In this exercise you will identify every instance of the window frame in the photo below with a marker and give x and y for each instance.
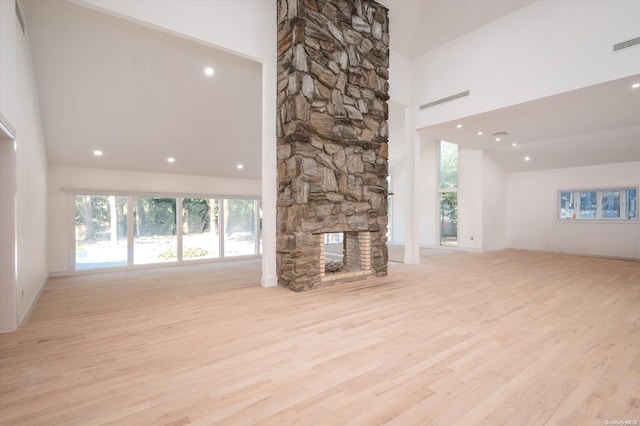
(440, 191)
(599, 216)
(131, 265)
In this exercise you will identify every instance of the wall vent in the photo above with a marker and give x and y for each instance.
(626, 44)
(19, 15)
(444, 100)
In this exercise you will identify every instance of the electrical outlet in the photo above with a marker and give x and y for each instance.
(471, 238)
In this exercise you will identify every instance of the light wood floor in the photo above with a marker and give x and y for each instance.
(514, 338)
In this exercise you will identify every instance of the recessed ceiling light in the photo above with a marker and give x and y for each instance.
(209, 71)
(527, 158)
(514, 144)
(635, 85)
(171, 160)
(97, 153)
(239, 167)
(497, 139)
(479, 133)
(459, 126)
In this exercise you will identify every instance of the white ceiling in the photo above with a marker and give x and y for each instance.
(595, 125)
(140, 95)
(416, 26)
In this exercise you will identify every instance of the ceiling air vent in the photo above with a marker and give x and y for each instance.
(500, 134)
(444, 100)
(626, 44)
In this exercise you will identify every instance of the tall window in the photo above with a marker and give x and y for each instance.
(155, 238)
(101, 231)
(239, 227)
(448, 192)
(200, 228)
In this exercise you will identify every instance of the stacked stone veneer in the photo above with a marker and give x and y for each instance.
(333, 58)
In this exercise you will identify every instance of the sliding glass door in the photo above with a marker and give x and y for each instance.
(112, 230)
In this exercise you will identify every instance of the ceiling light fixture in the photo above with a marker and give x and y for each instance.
(497, 139)
(239, 167)
(459, 126)
(527, 158)
(97, 153)
(635, 85)
(514, 144)
(208, 71)
(479, 133)
(171, 160)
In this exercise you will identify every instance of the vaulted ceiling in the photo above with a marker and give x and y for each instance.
(141, 96)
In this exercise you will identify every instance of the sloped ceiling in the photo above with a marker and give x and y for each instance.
(417, 26)
(141, 96)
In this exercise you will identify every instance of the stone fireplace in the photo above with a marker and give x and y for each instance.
(332, 139)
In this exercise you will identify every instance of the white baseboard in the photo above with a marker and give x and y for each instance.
(34, 302)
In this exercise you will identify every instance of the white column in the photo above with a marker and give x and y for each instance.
(269, 171)
(412, 169)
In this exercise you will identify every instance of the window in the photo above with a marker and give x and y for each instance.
(448, 193)
(155, 238)
(603, 204)
(200, 230)
(100, 231)
(239, 227)
(632, 204)
(117, 231)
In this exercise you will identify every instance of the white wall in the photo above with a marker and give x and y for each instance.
(8, 87)
(236, 26)
(546, 48)
(532, 212)
(494, 205)
(63, 181)
(482, 203)
(428, 215)
(31, 192)
(398, 207)
(400, 78)
(19, 104)
(470, 199)
(427, 207)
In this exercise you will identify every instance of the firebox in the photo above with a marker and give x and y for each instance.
(349, 258)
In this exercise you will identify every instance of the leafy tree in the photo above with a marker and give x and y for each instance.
(448, 165)
(239, 215)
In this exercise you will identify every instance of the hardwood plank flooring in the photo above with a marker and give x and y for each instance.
(511, 337)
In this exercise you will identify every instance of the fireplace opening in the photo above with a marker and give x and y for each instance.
(345, 255)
